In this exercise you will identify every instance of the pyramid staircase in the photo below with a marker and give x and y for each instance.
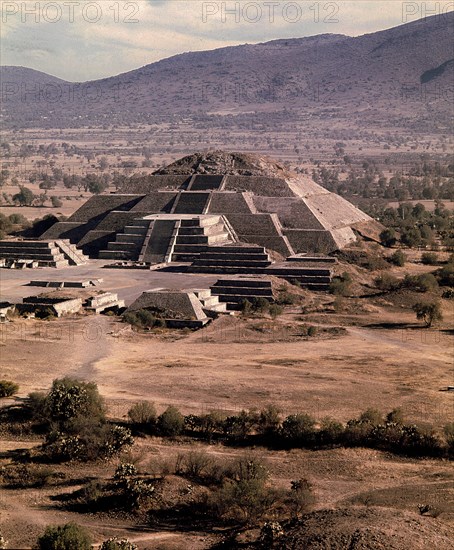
(232, 259)
(60, 253)
(168, 238)
(233, 292)
(129, 244)
(210, 302)
(197, 235)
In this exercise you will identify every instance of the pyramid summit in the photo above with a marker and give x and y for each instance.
(215, 199)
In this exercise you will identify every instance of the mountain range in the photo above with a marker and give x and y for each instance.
(401, 75)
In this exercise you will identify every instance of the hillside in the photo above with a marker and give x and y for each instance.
(400, 74)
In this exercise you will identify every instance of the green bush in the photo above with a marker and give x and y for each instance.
(340, 285)
(298, 428)
(69, 399)
(388, 237)
(66, 537)
(171, 422)
(312, 330)
(398, 258)
(275, 310)
(143, 414)
(269, 420)
(429, 312)
(8, 388)
(425, 282)
(387, 282)
(143, 319)
(445, 275)
(429, 258)
(115, 543)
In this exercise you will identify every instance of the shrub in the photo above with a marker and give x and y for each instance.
(422, 283)
(143, 319)
(298, 428)
(340, 285)
(387, 282)
(448, 294)
(65, 537)
(429, 312)
(56, 202)
(196, 463)
(115, 543)
(300, 497)
(286, 298)
(8, 388)
(275, 310)
(171, 422)
(429, 258)
(269, 420)
(330, 431)
(241, 425)
(388, 237)
(312, 330)
(411, 237)
(143, 414)
(246, 308)
(445, 275)
(69, 399)
(398, 258)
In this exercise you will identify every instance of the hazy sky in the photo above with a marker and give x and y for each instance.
(81, 40)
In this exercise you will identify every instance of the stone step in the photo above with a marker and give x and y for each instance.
(133, 247)
(203, 239)
(130, 238)
(202, 293)
(296, 272)
(232, 263)
(215, 255)
(241, 291)
(218, 308)
(185, 258)
(203, 230)
(189, 248)
(116, 255)
(243, 282)
(135, 230)
(225, 270)
(26, 244)
(237, 299)
(232, 249)
(201, 222)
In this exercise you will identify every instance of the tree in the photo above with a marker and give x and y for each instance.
(171, 422)
(8, 388)
(70, 398)
(298, 428)
(388, 237)
(398, 258)
(143, 414)
(56, 202)
(64, 537)
(25, 196)
(411, 237)
(429, 312)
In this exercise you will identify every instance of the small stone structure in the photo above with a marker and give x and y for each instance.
(106, 301)
(44, 306)
(179, 309)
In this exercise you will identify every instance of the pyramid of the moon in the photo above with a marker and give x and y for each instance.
(214, 199)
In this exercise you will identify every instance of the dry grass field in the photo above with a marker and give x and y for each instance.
(368, 355)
